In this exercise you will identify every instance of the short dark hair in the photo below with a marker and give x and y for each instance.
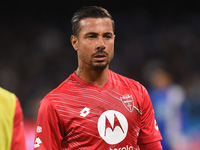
(89, 12)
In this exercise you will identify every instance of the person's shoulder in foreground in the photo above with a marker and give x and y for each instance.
(11, 126)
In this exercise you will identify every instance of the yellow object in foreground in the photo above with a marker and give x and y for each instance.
(7, 111)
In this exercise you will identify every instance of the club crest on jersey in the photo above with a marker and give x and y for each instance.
(128, 102)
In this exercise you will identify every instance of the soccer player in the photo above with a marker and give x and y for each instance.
(11, 122)
(96, 108)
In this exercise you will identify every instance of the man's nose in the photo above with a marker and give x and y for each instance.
(100, 44)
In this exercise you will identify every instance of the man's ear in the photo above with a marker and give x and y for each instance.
(74, 41)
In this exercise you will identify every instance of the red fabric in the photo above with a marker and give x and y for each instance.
(78, 114)
(49, 132)
(18, 138)
(149, 129)
(151, 146)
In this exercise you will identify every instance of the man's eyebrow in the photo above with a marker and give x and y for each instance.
(93, 33)
(96, 34)
(108, 33)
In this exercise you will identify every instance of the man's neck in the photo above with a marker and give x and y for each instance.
(97, 77)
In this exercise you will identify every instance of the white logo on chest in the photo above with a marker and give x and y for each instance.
(112, 126)
(85, 111)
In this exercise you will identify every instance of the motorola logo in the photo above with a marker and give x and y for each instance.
(112, 127)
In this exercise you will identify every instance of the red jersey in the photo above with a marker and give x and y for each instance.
(81, 115)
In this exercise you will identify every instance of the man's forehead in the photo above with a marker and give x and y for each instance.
(93, 23)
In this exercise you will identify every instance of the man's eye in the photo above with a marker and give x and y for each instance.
(108, 37)
(91, 37)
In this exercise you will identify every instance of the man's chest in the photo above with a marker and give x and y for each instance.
(107, 117)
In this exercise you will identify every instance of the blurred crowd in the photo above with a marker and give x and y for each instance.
(161, 51)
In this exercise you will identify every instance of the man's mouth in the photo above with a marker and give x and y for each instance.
(100, 57)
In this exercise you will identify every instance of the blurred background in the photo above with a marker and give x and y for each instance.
(157, 44)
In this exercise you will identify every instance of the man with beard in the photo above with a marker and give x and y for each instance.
(95, 108)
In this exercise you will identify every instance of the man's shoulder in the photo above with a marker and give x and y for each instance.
(123, 80)
(60, 90)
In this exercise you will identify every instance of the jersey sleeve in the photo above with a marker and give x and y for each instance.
(151, 146)
(49, 131)
(149, 131)
(18, 137)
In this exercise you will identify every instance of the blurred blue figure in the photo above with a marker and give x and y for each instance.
(167, 99)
